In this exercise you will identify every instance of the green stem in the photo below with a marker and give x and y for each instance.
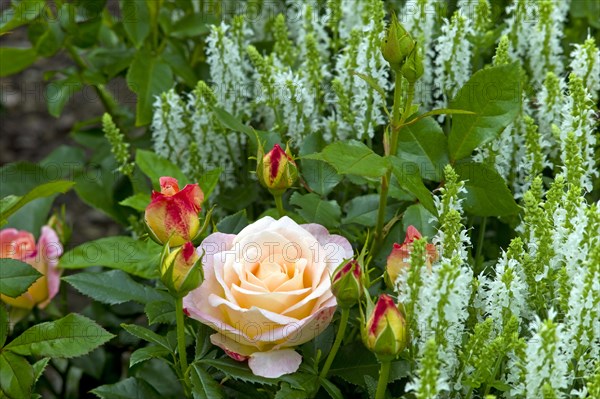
(336, 344)
(384, 373)
(391, 149)
(181, 341)
(480, 239)
(279, 204)
(106, 98)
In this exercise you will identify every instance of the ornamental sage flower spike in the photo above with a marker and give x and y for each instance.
(276, 170)
(172, 216)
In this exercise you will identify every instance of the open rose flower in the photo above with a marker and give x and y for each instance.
(172, 215)
(20, 245)
(399, 258)
(268, 289)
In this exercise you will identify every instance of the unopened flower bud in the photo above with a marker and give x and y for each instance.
(172, 216)
(399, 258)
(346, 284)
(412, 69)
(179, 269)
(276, 169)
(385, 333)
(397, 44)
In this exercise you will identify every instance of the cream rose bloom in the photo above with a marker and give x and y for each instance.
(268, 289)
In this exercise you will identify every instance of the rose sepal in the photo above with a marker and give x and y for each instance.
(205, 225)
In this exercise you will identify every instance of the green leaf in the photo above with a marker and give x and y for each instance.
(20, 13)
(60, 91)
(148, 77)
(120, 252)
(146, 353)
(160, 312)
(331, 389)
(43, 190)
(16, 376)
(39, 367)
(320, 176)
(154, 166)
(138, 201)
(3, 323)
(16, 277)
(487, 193)
(238, 371)
(112, 287)
(136, 20)
(409, 178)
(193, 25)
(233, 224)
(129, 388)
(495, 95)
(315, 210)
(73, 335)
(147, 335)
(14, 60)
(286, 391)
(209, 181)
(371, 82)
(174, 55)
(354, 361)
(203, 385)
(416, 215)
(425, 144)
(363, 210)
(352, 158)
(268, 139)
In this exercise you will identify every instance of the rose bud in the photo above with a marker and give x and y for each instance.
(180, 270)
(399, 258)
(172, 216)
(276, 170)
(346, 284)
(412, 69)
(397, 44)
(385, 332)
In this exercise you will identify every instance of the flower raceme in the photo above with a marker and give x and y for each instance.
(346, 283)
(276, 169)
(172, 216)
(268, 289)
(385, 332)
(43, 256)
(399, 258)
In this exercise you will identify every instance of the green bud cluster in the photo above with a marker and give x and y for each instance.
(401, 51)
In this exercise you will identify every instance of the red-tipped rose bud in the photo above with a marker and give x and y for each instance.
(399, 258)
(385, 333)
(179, 269)
(346, 284)
(276, 169)
(172, 216)
(397, 44)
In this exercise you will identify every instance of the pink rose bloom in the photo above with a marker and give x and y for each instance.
(20, 245)
(267, 290)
